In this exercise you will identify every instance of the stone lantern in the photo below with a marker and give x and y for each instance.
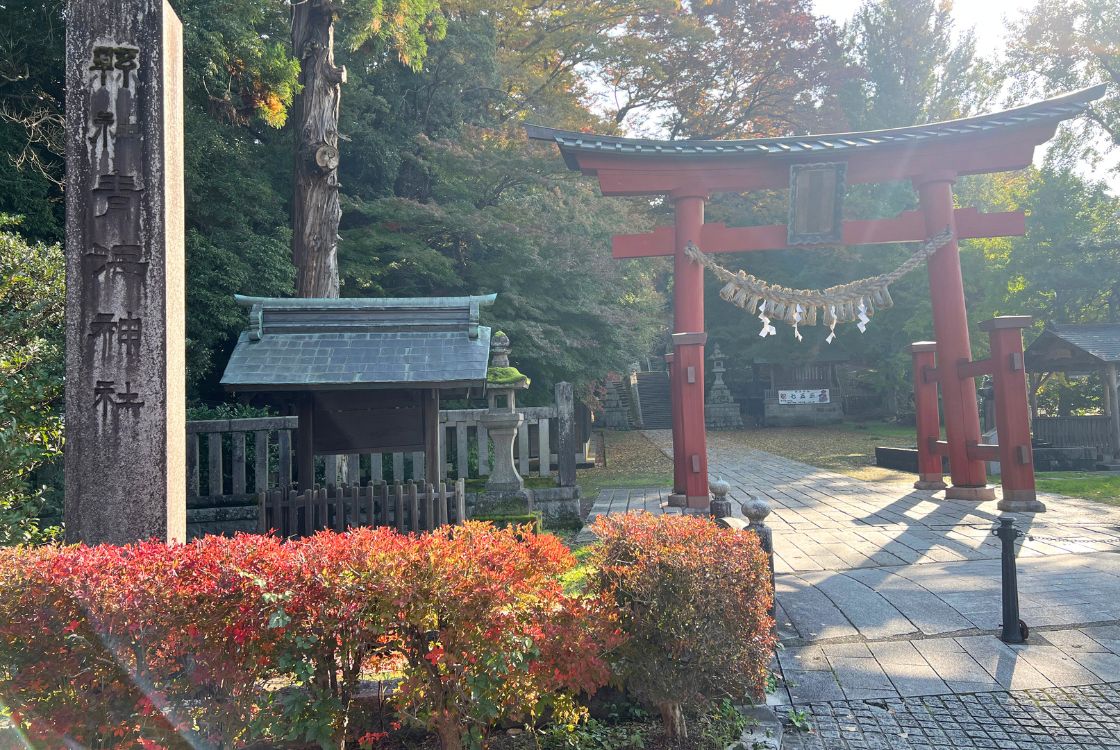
(721, 410)
(502, 419)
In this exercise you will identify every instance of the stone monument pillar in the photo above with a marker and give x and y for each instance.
(720, 410)
(125, 369)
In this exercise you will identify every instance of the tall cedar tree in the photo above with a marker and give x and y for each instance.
(404, 25)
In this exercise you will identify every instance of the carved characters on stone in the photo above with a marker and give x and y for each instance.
(115, 265)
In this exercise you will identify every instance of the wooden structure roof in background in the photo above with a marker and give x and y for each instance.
(334, 344)
(1074, 348)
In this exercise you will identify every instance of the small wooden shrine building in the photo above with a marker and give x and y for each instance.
(1078, 350)
(363, 375)
(789, 394)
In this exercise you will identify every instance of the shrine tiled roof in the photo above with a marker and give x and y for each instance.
(304, 344)
(1063, 347)
(572, 143)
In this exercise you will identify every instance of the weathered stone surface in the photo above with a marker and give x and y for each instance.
(720, 408)
(125, 372)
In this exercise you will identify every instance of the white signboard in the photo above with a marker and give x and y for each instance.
(814, 396)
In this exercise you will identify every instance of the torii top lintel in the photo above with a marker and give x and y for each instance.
(995, 142)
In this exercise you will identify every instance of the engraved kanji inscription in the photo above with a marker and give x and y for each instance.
(102, 62)
(106, 59)
(126, 62)
(102, 125)
(102, 328)
(107, 397)
(103, 396)
(128, 334)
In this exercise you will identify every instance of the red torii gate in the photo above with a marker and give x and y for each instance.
(931, 157)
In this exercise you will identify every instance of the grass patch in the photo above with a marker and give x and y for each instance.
(846, 448)
(632, 461)
(1102, 486)
(575, 580)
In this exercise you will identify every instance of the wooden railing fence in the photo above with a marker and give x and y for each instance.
(268, 454)
(1075, 432)
(405, 507)
(230, 461)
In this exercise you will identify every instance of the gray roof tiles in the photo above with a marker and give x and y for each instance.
(412, 342)
(1099, 340)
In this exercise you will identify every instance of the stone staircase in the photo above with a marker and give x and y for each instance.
(655, 401)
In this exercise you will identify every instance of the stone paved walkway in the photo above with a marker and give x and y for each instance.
(1071, 719)
(891, 596)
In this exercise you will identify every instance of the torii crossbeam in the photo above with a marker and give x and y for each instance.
(930, 156)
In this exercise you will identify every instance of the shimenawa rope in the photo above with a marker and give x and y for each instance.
(856, 300)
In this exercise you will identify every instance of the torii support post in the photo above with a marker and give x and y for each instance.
(1114, 408)
(926, 416)
(1013, 427)
(690, 456)
(950, 323)
(676, 499)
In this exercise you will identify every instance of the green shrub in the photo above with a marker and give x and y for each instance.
(32, 306)
(694, 600)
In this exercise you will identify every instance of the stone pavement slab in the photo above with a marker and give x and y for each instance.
(939, 598)
(1081, 718)
(828, 521)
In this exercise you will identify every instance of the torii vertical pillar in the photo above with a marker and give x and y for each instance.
(950, 322)
(926, 416)
(1013, 424)
(690, 450)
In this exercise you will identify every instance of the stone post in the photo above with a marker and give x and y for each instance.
(756, 509)
(1111, 383)
(125, 371)
(566, 435)
(721, 506)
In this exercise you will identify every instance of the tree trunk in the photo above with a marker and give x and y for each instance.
(315, 208)
(672, 717)
(449, 733)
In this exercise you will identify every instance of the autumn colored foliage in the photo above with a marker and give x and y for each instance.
(222, 640)
(694, 600)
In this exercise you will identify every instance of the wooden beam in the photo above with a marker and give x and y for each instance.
(983, 451)
(433, 448)
(975, 368)
(908, 226)
(994, 151)
(305, 444)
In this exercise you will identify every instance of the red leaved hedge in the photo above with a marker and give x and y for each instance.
(213, 643)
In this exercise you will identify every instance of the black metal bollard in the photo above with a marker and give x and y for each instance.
(1014, 629)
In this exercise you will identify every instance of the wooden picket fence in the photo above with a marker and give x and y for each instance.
(1092, 431)
(405, 507)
